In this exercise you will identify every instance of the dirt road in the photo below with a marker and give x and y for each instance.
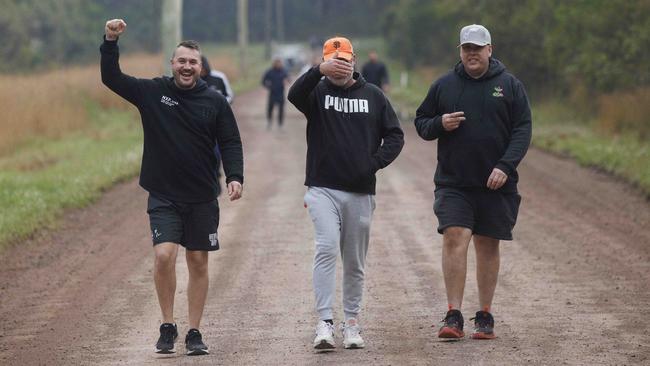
(574, 286)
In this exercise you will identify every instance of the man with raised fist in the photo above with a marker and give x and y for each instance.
(182, 120)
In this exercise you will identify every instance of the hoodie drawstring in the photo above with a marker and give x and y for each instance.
(462, 90)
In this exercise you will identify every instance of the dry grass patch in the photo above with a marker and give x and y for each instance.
(53, 103)
(625, 112)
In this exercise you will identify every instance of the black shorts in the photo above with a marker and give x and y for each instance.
(192, 225)
(485, 212)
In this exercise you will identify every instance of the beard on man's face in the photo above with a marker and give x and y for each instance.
(340, 81)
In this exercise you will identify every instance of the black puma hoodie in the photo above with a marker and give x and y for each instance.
(345, 131)
(495, 134)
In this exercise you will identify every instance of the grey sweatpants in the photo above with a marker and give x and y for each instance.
(341, 224)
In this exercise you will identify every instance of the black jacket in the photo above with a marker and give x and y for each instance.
(375, 73)
(181, 128)
(495, 134)
(273, 80)
(345, 130)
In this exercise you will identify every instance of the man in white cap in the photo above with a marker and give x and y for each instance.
(480, 115)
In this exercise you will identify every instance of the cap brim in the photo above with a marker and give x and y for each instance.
(344, 55)
(476, 43)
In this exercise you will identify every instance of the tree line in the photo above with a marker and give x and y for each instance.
(552, 45)
(47, 33)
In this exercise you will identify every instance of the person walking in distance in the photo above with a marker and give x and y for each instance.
(182, 120)
(274, 80)
(375, 72)
(352, 132)
(480, 115)
(216, 80)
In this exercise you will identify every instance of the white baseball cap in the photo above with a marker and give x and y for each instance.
(476, 34)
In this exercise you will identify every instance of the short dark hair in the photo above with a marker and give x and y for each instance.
(188, 44)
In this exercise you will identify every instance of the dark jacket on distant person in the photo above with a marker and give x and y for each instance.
(375, 73)
(345, 131)
(273, 80)
(181, 128)
(495, 134)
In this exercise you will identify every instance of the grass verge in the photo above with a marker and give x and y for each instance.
(623, 155)
(44, 177)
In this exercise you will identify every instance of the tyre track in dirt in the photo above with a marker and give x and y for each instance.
(573, 287)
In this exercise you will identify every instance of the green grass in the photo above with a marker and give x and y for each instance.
(625, 156)
(44, 177)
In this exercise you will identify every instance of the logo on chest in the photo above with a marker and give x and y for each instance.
(346, 105)
(498, 92)
(169, 101)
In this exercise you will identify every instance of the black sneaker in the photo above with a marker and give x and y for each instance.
(168, 334)
(453, 325)
(194, 343)
(483, 326)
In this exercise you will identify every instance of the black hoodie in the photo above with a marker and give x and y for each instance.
(495, 134)
(180, 131)
(345, 129)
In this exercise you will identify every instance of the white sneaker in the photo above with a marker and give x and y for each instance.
(351, 334)
(324, 336)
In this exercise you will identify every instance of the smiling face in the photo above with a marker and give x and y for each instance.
(186, 67)
(475, 59)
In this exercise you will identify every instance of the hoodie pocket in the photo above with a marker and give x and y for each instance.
(354, 167)
(471, 162)
(364, 167)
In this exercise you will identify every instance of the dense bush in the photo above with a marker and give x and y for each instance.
(47, 33)
(550, 44)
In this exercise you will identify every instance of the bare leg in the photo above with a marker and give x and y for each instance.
(197, 286)
(164, 276)
(455, 242)
(487, 269)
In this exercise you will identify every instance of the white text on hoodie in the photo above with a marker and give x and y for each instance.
(346, 105)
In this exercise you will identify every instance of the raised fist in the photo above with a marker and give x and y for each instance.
(114, 28)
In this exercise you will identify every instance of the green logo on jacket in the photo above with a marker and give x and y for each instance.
(498, 92)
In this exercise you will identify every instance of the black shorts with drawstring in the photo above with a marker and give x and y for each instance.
(192, 225)
(485, 212)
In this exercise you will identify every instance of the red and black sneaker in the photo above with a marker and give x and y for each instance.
(483, 326)
(453, 325)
